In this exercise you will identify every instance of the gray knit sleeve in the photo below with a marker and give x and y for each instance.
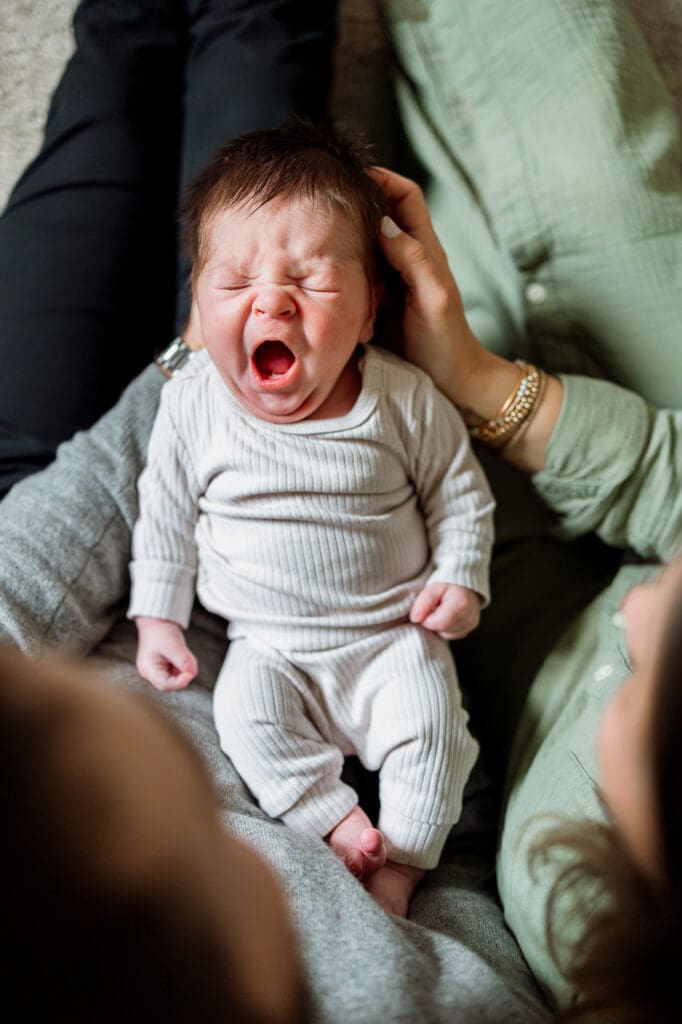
(66, 530)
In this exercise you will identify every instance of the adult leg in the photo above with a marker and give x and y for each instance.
(87, 240)
(250, 65)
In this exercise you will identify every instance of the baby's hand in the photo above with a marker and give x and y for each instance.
(447, 609)
(163, 657)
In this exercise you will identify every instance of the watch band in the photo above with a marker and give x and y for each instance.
(174, 357)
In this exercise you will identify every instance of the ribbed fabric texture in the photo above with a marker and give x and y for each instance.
(313, 539)
(312, 534)
(391, 698)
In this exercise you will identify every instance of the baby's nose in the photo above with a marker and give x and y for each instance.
(274, 302)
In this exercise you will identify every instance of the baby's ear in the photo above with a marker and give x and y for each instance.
(389, 310)
(367, 331)
(191, 334)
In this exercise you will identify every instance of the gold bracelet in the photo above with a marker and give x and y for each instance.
(516, 437)
(516, 409)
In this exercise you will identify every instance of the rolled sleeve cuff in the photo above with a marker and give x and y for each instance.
(597, 440)
(462, 572)
(162, 592)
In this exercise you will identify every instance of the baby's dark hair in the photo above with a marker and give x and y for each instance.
(298, 159)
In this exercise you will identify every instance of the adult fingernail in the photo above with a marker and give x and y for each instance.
(389, 228)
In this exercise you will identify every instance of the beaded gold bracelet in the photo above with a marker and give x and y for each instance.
(518, 434)
(518, 406)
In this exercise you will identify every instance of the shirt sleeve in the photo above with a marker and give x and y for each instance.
(454, 494)
(66, 531)
(163, 569)
(614, 466)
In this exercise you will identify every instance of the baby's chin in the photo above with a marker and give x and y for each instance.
(279, 408)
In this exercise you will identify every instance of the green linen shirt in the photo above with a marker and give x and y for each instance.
(549, 154)
(613, 466)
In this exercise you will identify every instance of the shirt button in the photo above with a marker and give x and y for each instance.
(602, 673)
(618, 620)
(536, 293)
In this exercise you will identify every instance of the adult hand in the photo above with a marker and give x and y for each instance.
(436, 335)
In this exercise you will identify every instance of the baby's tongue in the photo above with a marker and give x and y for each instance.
(273, 358)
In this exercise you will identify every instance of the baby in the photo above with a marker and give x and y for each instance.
(321, 495)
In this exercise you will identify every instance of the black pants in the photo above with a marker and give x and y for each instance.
(92, 278)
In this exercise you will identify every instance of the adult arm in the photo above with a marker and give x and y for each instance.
(600, 457)
(66, 530)
(613, 464)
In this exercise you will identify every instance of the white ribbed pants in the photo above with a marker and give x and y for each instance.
(392, 698)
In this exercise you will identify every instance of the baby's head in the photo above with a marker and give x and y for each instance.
(297, 161)
(282, 230)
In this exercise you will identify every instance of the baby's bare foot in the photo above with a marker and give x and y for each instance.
(393, 885)
(368, 856)
(358, 844)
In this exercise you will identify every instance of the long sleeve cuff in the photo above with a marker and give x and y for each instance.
(465, 569)
(462, 576)
(162, 592)
(596, 444)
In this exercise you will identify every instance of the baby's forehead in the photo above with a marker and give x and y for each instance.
(314, 227)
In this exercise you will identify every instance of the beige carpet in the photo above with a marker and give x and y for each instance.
(35, 40)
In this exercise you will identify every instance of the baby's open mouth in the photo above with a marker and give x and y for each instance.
(273, 359)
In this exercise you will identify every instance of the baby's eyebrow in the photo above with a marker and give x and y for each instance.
(232, 266)
(317, 268)
(293, 265)
(321, 263)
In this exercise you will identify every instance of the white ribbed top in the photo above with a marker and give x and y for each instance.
(310, 534)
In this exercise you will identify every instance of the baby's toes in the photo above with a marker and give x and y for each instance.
(374, 849)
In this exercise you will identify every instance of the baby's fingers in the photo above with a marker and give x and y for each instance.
(168, 670)
(459, 615)
(448, 610)
(426, 602)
